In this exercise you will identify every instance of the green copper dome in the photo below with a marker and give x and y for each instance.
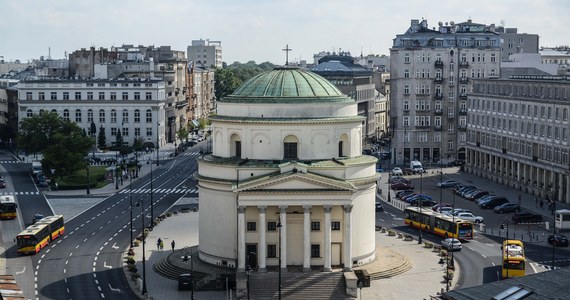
(286, 85)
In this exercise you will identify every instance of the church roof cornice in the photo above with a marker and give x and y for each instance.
(243, 120)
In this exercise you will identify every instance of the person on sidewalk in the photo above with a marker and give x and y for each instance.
(158, 242)
(173, 244)
(541, 203)
(161, 245)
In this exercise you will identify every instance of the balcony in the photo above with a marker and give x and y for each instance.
(437, 128)
(438, 80)
(463, 111)
(451, 83)
(438, 111)
(439, 64)
(463, 64)
(462, 127)
(450, 115)
(463, 80)
(462, 96)
(438, 96)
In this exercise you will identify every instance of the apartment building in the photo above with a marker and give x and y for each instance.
(431, 72)
(513, 42)
(136, 107)
(206, 53)
(518, 133)
(200, 92)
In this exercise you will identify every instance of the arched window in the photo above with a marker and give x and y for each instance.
(78, 115)
(66, 114)
(148, 116)
(29, 113)
(290, 147)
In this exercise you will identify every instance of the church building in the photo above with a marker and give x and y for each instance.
(286, 184)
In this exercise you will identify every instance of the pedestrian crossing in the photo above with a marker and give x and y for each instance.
(171, 153)
(160, 191)
(12, 162)
(18, 193)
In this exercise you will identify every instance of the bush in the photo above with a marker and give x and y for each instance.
(132, 268)
(428, 245)
(130, 260)
(391, 233)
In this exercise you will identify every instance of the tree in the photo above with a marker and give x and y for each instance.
(102, 138)
(138, 144)
(67, 149)
(118, 140)
(225, 82)
(183, 133)
(37, 132)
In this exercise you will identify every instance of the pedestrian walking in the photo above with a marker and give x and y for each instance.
(158, 242)
(173, 244)
(161, 245)
(541, 203)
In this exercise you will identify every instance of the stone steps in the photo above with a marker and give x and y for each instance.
(404, 267)
(303, 285)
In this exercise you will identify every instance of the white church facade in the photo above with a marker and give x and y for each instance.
(286, 181)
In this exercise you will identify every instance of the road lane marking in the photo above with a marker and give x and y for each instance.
(21, 272)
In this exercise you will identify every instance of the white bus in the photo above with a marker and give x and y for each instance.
(36, 167)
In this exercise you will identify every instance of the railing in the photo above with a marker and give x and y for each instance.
(439, 64)
(463, 64)
(463, 79)
(438, 96)
(438, 80)
(438, 111)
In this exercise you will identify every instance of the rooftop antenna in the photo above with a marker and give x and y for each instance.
(287, 49)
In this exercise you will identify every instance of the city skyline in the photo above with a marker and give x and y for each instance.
(254, 29)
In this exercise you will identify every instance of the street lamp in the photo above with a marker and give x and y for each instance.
(279, 267)
(420, 201)
(505, 225)
(157, 144)
(116, 169)
(131, 207)
(186, 259)
(144, 290)
(151, 200)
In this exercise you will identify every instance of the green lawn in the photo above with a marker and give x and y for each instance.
(78, 180)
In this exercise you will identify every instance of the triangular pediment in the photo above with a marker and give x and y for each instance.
(295, 181)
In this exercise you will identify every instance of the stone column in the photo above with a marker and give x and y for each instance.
(567, 201)
(307, 238)
(241, 238)
(561, 188)
(327, 238)
(347, 238)
(283, 241)
(262, 247)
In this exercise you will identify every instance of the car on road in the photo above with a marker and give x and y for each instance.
(408, 171)
(526, 217)
(470, 217)
(401, 186)
(379, 206)
(403, 193)
(476, 195)
(447, 183)
(506, 208)
(558, 240)
(397, 171)
(36, 218)
(451, 244)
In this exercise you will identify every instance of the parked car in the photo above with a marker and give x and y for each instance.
(408, 196)
(421, 201)
(458, 188)
(400, 194)
(401, 186)
(444, 210)
(506, 208)
(447, 183)
(397, 171)
(408, 171)
(485, 198)
(476, 195)
(398, 178)
(455, 211)
(526, 217)
(470, 217)
(558, 240)
(456, 163)
(470, 193)
(451, 244)
(493, 202)
(440, 205)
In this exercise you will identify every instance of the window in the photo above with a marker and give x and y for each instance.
(101, 116)
(113, 116)
(271, 251)
(125, 131)
(251, 226)
(90, 115)
(406, 89)
(137, 96)
(149, 131)
(493, 57)
(78, 115)
(28, 95)
(77, 95)
(315, 225)
(407, 58)
(113, 131)
(271, 226)
(125, 96)
(290, 147)
(137, 116)
(101, 95)
(422, 137)
(406, 105)
(113, 96)
(148, 116)
(406, 73)
(148, 96)
(89, 95)
(125, 116)
(65, 95)
(42, 96)
(29, 113)
(335, 225)
(315, 251)
(137, 132)
(53, 96)
(66, 114)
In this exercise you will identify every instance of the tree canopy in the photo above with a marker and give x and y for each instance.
(63, 143)
(229, 78)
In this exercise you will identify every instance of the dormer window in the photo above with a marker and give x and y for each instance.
(290, 147)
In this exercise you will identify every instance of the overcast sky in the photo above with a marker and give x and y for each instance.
(255, 29)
